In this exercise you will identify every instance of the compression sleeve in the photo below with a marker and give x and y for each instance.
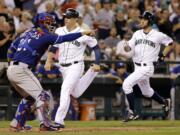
(97, 54)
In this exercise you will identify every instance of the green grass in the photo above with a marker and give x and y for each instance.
(105, 128)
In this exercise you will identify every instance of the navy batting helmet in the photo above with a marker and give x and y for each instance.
(148, 16)
(71, 13)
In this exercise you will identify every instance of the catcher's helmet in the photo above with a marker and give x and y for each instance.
(44, 20)
(148, 16)
(71, 13)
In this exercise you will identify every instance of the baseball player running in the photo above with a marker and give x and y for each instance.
(145, 44)
(72, 66)
(27, 51)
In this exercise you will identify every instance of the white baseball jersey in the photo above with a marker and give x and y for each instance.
(73, 51)
(147, 46)
(146, 49)
(73, 82)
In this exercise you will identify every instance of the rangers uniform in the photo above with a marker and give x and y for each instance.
(25, 53)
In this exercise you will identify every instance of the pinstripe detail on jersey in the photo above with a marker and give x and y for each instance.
(144, 41)
(67, 51)
(68, 46)
(64, 44)
(74, 50)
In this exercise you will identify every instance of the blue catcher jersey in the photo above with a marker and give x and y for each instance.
(32, 44)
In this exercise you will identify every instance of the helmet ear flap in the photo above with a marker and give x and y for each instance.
(151, 20)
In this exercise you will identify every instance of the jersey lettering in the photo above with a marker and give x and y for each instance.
(145, 41)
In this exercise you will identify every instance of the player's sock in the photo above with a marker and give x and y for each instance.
(130, 98)
(158, 98)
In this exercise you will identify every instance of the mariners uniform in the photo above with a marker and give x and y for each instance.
(26, 53)
(146, 47)
(72, 67)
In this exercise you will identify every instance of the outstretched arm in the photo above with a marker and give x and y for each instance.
(56, 39)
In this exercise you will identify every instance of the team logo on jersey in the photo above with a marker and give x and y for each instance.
(145, 41)
(76, 43)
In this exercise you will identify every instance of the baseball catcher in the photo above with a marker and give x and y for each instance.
(25, 53)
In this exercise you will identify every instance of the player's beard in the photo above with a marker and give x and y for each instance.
(146, 26)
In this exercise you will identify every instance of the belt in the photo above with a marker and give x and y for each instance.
(144, 64)
(69, 64)
(20, 63)
(140, 64)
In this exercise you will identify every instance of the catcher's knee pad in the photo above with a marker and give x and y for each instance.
(45, 98)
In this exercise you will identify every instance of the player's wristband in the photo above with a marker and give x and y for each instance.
(161, 55)
(53, 49)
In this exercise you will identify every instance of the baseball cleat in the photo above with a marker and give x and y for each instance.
(45, 128)
(167, 106)
(131, 117)
(19, 128)
(58, 126)
(16, 127)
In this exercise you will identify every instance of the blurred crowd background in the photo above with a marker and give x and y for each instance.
(115, 21)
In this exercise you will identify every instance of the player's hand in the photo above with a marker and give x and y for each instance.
(161, 58)
(109, 75)
(127, 48)
(95, 67)
(119, 81)
(48, 66)
(89, 32)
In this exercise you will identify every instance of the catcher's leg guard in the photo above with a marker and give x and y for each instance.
(43, 106)
(23, 110)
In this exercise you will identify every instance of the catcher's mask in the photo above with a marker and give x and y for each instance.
(45, 21)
